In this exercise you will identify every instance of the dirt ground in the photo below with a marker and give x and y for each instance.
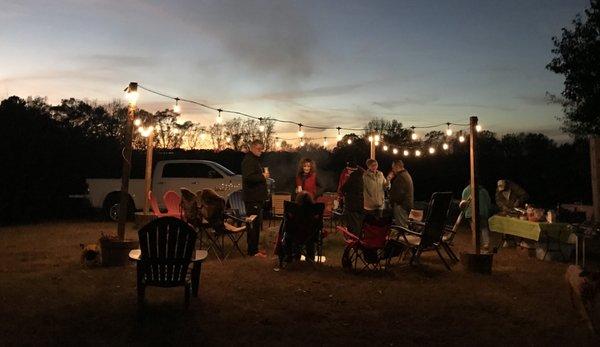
(49, 298)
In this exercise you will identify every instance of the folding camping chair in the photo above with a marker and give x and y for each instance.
(224, 225)
(428, 236)
(277, 205)
(236, 204)
(300, 233)
(371, 252)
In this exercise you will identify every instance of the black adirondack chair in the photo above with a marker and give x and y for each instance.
(167, 248)
(427, 235)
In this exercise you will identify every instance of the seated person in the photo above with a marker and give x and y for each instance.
(509, 195)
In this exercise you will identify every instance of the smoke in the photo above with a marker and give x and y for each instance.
(272, 38)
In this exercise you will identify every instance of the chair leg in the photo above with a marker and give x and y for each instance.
(141, 288)
(196, 270)
(449, 251)
(437, 250)
(188, 289)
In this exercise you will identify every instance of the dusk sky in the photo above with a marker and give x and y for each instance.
(328, 63)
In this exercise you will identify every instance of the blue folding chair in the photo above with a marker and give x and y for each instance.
(236, 204)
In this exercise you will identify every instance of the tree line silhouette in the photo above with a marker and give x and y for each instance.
(50, 150)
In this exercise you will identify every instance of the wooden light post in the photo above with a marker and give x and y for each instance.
(372, 146)
(148, 177)
(132, 95)
(475, 222)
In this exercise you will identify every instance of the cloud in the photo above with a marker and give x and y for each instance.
(534, 99)
(117, 60)
(311, 93)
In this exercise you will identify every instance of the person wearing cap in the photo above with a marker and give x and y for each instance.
(352, 190)
(374, 184)
(510, 195)
(401, 192)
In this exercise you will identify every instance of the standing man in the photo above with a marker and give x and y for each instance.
(254, 193)
(510, 195)
(374, 185)
(352, 188)
(401, 192)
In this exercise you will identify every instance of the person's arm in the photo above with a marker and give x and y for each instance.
(251, 172)
(319, 187)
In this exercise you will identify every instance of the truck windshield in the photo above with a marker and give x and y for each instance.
(225, 170)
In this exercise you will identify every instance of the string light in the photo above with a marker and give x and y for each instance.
(376, 143)
(325, 143)
(406, 153)
(417, 153)
(395, 150)
(339, 135)
(277, 142)
(177, 107)
(370, 138)
(414, 135)
(302, 143)
(146, 131)
(300, 132)
(478, 128)
(137, 122)
(461, 138)
(385, 148)
(431, 150)
(219, 119)
(131, 93)
(202, 135)
(445, 146)
(377, 138)
(349, 141)
(261, 126)
(448, 130)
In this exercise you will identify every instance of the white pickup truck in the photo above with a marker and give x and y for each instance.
(168, 175)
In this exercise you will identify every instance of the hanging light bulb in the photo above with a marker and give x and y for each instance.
(325, 143)
(417, 153)
(137, 122)
(385, 148)
(370, 138)
(414, 135)
(349, 141)
(445, 146)
(131, 94)
(406, 153)
(448, 131)
(339, 135)
(219, 119)
(302, 143)
(202, 135)
(478, 128)
(395, 150)
(431, 150)
(176, 107)
(277, 142)
(300, 132)
(461, 138)
(377, 138)
(261, 126)
(376, 143)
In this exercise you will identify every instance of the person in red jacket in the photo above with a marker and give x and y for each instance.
(306, 178)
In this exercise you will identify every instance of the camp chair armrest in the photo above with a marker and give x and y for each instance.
(405, 230)
(135, 254)
(234, 217)
(199, 255)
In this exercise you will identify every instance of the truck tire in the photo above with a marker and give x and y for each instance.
(111, 205)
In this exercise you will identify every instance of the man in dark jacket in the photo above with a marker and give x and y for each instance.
(254, 192)
(353, 198)
(401, 192)
(510, 195)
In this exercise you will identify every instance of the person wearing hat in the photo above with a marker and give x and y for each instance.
(510, 195)
(352, 190)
